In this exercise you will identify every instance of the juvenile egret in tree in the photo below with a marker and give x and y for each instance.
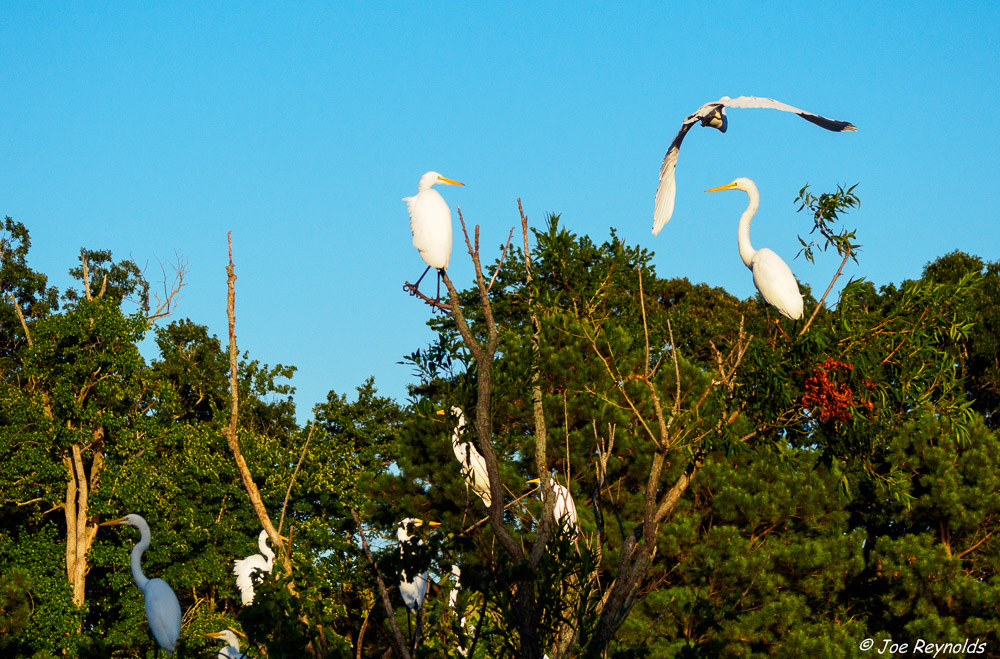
(430, 222)
(564, 510)
(232, 648)
(772, 276)
(252, 568)
(413, 590)
(472, 461)
(714, 114)
(163, 611)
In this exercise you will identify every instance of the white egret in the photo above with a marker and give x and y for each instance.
(472, 461)
(714, 114)
(771, 275)
(232, 648)
(247, 569)
(453, 595)
(413, 590)
(430, 223)
(163, 611)
(564, 510)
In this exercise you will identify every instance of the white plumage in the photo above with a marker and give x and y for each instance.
(564, 509)
(430, 222)
(472, 461)
(163, 611)
(247, 569)
(714, 115)
(414, 590)
(771, 275)
(232, 647)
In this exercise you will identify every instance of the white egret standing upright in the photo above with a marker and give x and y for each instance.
(163, 611)
(771, 275)
(472, 461)
(246, 569)
(430, 222)
(714, 114)
(232, 648)
(564, 509)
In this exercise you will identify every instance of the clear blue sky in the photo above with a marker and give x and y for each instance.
(150, 129)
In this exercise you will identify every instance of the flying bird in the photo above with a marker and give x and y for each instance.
(252, 568)
(472, 461)
(163, 611)
(771, 275)
(232, 647)
(714, 114)
(430, 223)
(564, 510)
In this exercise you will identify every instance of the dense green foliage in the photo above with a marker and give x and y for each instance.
(833, 484)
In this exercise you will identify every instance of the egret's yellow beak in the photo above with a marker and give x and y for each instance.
(534, 481)
(442, 179)
(214, 635)
(440, 412)
(120, 520)
(727, 186)
(434, 523)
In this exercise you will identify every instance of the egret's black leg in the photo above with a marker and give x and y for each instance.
(417, 285)
(409, 629)
(438, 298)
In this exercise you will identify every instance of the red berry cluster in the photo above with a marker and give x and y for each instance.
(827, 399)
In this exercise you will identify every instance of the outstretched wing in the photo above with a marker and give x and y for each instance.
(667, 188)
(244, 569)
(759, 102)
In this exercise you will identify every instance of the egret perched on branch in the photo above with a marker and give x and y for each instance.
(412, 590)
(772, 276)
(472, 461)
(232, 649)
(246, 569)
(430, 222)
(564, 510)
(163, 611)
(714, 114)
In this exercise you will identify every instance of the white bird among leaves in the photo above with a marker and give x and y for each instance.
(163, 611)
(232, 647)
(472, 461)
(714, 114)
(252, 568)
(412, 590)
(430, 223)
(564, 510)
(771, 275)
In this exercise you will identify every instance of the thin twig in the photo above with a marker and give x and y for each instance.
(284, 505)
(500, 265)
(819, 305)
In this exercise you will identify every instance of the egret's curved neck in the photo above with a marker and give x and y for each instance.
(264, 549)
(137, 575)
(743, 234)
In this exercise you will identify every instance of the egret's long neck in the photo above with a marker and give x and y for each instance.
(743, 235)
(266, 551)
(137, 575)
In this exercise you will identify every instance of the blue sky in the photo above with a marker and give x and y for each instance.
(153, 129)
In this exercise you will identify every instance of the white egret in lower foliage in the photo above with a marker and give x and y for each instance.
(771, 275)
(253, 567)
(714, 115)
(564, 509)
(413, 590)
(232, 648)
(430, 223)
(453, 595)
(472, 461)
(163, 611)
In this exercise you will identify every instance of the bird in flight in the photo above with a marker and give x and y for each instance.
(714, 114)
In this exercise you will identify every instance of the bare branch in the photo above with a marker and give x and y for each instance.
(20, 316)
(502, 257)
(819, 305)
(397, 635)
(291, 482)
(165, 305)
